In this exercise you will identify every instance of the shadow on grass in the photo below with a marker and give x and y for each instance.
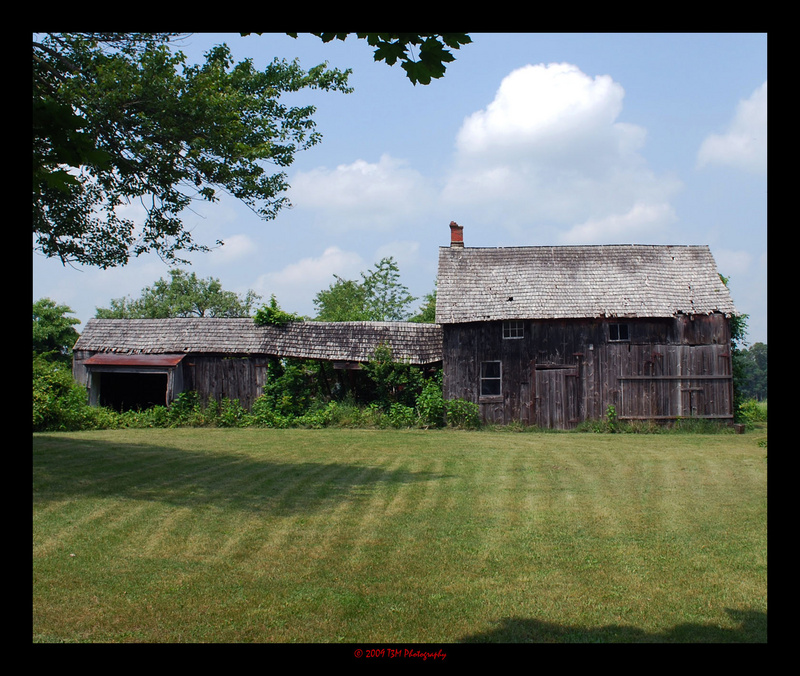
(70, 468)
(752, 629)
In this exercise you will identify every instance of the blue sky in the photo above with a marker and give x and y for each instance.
(529, 139)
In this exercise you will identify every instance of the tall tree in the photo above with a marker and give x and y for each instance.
(183, 295)
(378, 297)
(53, 332)
(121, 118)
(342, 301)
(387, 299)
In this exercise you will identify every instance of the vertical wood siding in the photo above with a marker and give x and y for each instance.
(563, 372)
(225, 377)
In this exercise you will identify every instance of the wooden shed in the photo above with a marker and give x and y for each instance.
(125, 362)
(554, 335)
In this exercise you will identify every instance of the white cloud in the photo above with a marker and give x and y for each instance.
(744, 144)
(542, 108)
(732, 263)
(550, 148)
(362, 194)
(404, 252)
(297, 283)
(236, 247)
(643, 223)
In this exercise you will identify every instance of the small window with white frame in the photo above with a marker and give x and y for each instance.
(618, 332)
(514, 329)
(491, 377)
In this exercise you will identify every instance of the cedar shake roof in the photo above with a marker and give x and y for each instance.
(560, 282)
(334, 341)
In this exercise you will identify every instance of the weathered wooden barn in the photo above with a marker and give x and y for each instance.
(127, 363)
(554, 335)
(548, 336)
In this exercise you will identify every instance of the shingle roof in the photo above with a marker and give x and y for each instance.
(559, 282)
(335, 341)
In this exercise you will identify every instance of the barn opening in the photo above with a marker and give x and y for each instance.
(132, 391)
(131, 382)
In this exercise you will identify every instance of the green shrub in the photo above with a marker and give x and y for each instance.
(292, 387)
(104, 418)
(230, 413)
(373, 416)
(608, 425)
(273, 315)
(348, 414)
(156, 416)
(393, 382)
(462, 414)
(263, 414)
(59, 403)
(611, 418)
(400, 415)
(751, 412)
(317, 416)
(186, 411)
(430, 403)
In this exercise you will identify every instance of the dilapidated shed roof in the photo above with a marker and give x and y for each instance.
(334, 341)
(561, 282)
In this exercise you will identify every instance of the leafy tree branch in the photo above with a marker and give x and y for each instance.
(121, 119)
(421, 55)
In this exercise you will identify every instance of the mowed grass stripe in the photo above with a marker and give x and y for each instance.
(336, 535)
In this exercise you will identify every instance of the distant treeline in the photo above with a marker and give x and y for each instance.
(751, 366)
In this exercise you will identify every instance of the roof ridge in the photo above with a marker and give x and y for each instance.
(578, 281)
(574, 246)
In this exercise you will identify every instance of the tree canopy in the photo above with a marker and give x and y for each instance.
(378, 297)
(753, 368)
(53, 332)
(427, 312)
(121, 119)
(183, 295)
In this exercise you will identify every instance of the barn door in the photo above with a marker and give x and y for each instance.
(556, 398)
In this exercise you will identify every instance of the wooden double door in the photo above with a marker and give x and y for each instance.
(555, 402)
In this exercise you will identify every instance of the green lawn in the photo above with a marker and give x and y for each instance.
(382, 536)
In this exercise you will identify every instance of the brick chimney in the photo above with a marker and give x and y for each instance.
(456, 234)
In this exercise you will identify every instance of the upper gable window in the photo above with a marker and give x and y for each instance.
(618, 332)
(513, 329)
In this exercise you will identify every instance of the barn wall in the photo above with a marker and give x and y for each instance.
(217, 377)
(79, 372)
(562, 372)
(212, 376)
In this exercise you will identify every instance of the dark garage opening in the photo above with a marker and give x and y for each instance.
(132, 391)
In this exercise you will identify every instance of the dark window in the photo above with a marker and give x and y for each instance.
(618, 332)
(513, 329)
(490, 378)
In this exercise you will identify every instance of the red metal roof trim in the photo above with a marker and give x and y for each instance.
(112, 359)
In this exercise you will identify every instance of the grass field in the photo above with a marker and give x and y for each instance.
(383, 536)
